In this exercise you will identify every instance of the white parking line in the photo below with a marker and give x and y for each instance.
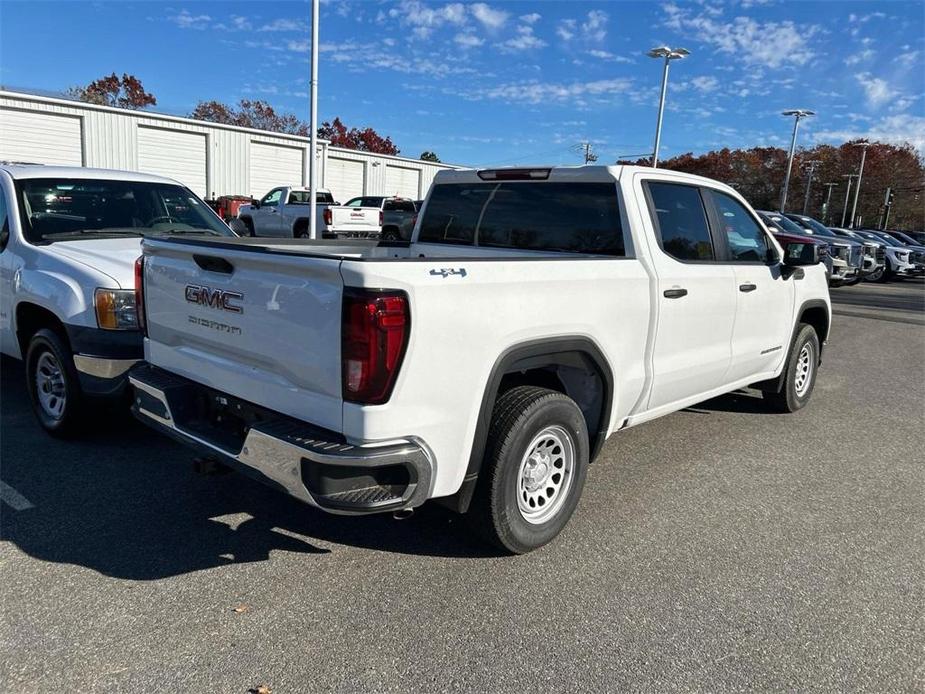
(10, 496)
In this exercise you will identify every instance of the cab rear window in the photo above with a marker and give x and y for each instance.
(542, 216)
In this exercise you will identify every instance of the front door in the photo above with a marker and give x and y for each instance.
(266, 217)
(764, 298)
(695, 297)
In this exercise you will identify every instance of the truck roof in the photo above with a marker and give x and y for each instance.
(24, 170)
(569, 173)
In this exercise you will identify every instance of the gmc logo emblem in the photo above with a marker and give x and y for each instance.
(214, 298)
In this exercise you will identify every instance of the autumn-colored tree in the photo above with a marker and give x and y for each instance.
(430, 156)
(366, 140)
(758, 174)
(250, 114)
(124, 92)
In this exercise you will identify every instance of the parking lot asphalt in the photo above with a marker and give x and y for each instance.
(719, 548)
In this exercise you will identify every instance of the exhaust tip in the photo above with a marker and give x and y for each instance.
(403, 513)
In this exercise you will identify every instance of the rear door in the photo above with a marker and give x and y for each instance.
(695, 298)
(764, 299)
(259, 325)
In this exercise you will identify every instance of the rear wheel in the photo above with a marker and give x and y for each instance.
(534, 470)
(390, 234)
(54, 387)
(799, 373)
(300, 231)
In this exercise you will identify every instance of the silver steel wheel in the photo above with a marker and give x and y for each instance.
(545, 474)
(49, 385)
(806, 362)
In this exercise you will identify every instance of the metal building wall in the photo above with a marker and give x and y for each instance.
(110, 140)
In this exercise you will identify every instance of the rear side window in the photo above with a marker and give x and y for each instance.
(542, 216)
(681, 220)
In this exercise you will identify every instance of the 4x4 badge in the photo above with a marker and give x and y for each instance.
(446, 272)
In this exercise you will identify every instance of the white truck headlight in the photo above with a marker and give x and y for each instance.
(115, 309)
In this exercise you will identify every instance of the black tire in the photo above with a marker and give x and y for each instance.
(46, 348)
(795, 393)
(300, 231)
(527, 417)
(876, 275)
(887, 274)
(390, 234)
(249, 226)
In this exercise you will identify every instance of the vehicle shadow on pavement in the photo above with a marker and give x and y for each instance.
(125, 502)
(743, 402)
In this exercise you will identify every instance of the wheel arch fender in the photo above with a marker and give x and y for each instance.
(583, 373)
(814, 312)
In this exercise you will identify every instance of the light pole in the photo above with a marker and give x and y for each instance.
(809, 182)
(668, 54)
(844, 212)
(797, 113)
(857, 189)
(825, 205)
(313, 125)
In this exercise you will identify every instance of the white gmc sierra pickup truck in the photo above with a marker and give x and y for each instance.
(533, 313)
(284, 212)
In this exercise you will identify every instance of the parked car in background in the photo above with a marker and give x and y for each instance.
(786, 231)
(844, 249)
(899, 262)
(484, 364)
(398, 214)
(917, 236)
(918, 257)
(69, 239)
(874, 257)
(283, 212)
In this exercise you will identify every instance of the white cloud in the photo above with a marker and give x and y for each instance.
(488, 16)
(895, 129)
(876, 89)
(860, 57)
(771, 44)
(525, 40)
(468, 40)
(705, 83)
(566, 29)
(285, 24)
(908, 57)
(538, 92)
(531, 18)
(594, 28)
(185, 20)
(864, 18)
(425, 18)
(609, 57)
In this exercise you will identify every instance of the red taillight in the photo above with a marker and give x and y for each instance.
(328, 216)
(381, 218)
(374, 334)
(140, 294)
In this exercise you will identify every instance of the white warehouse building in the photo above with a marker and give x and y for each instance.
(209, 158)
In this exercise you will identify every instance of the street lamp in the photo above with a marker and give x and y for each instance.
(825, 205)
(798, 113)
(844, 212)
(811, 165)
(668, 54)
(857, 189)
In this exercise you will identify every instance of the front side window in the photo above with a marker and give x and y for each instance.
(58, 209)
(271, 199)
(746, 239)
(682, 221)
(543, 216)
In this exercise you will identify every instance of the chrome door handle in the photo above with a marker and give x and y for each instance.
(674, 293)
(747, 287)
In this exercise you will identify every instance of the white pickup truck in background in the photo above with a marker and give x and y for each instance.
(534, 313)
(283, 212)
(69, 239)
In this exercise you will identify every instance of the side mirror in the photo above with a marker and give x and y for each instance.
(256, 204)
(799, 254)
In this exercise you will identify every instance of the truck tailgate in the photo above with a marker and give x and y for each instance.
(359, 219)
(261, 326)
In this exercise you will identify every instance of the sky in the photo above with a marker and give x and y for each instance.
(502, 83)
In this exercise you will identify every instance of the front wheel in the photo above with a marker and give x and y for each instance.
(799, 373)
(876, 275)
(536, 460)
(54, 387)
